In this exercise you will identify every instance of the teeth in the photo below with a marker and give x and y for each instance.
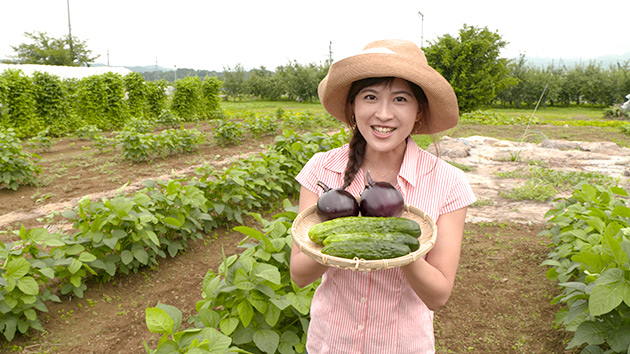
(383, 130)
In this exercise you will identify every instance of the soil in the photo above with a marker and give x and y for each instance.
(500, 303)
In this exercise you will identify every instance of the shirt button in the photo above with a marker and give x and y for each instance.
(363, 300)
(360, 327)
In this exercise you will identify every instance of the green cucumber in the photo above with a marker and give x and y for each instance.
(396, 237)
(363, 224)
(368, 250)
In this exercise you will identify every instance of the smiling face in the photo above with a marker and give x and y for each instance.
(386, 114)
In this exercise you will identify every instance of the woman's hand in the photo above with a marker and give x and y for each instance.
(432, 278)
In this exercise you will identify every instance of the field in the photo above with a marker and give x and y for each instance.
(500, 304)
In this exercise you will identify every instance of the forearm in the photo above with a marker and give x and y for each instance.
(431, 286)
(432, 278)
(305, 270)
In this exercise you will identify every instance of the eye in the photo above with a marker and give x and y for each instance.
(370, 97)
(400, 99)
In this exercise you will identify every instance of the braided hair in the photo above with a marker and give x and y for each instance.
(357, 143)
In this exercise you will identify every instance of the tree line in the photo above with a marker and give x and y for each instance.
(470, 61)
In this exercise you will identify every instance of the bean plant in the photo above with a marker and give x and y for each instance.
(590, 260)
(17, 167)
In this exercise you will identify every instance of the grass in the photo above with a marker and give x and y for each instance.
(270, 107)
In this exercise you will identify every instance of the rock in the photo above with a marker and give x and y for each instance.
(560, 144)
(503, 143)
(452, 148)
(601, 146)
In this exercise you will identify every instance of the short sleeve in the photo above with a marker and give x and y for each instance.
(460, 195)
(307, 176)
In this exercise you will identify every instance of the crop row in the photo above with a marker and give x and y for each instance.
(45, 102)
(590, 260)
(128, 232)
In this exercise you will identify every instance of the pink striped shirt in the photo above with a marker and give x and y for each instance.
(378, 312)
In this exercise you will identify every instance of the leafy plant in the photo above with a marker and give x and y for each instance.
(16, 166)
(228, 132)
(590, 260)
(40, 142)
(168, 119)
(251, 297)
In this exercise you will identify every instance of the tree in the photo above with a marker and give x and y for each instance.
(234, 81)
(52, 51)
(472, 65)
(264, 84)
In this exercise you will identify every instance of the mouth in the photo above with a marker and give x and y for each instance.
(382, 130)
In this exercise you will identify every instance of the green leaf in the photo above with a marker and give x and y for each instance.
(219, 342)
(209, 318)
(267, 272)
(28, 285)
(75, 280)
(110, 242)
(228, 325)
(588, 332)
(282, 303)
(610, 289)
(301, 301)
(248, 231)
(174, 313)
(241, 280)
(126, 256)
(266, 340)
(87, 257)
(272, 315)
(245, 312)
(74, 249)
(171, 221)
(75, 266)
(17, 268)
(621, 210)
(288, 340)
(619, 339)
(141, 255)
(158, 321)
(10, 327)
(153, 237)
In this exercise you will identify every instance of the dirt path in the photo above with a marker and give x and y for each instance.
(501, 299)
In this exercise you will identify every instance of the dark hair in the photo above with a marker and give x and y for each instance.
(357, 142)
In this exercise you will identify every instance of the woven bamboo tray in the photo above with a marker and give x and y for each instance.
(309, 217)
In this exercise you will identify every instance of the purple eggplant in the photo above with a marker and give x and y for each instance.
(336, 203)
(380, 199)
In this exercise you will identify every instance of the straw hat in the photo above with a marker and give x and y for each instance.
(392, 58)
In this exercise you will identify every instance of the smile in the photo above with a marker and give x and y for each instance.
(383, 130)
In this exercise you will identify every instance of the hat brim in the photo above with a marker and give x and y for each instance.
(442, 112)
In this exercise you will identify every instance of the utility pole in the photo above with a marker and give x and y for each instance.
(330, 60)
(70, 33)
(421, 29)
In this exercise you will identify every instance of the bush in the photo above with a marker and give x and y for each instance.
(16, 166)
(615, 112)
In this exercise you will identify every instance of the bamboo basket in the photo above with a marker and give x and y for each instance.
(309, 217)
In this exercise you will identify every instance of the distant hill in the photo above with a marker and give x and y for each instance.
(604, 61)
(148, 68)
(141, 69)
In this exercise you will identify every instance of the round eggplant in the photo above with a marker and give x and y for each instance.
(380, 199)
(336, 203)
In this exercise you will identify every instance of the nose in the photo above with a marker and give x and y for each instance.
(384, 110)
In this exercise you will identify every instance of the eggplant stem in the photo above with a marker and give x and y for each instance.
(323, 186)
(370, 182)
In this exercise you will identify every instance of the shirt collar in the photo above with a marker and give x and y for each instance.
(408, 169)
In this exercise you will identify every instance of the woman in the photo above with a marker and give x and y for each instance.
(385, 94)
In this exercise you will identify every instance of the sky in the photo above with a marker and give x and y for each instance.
(219, 34)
